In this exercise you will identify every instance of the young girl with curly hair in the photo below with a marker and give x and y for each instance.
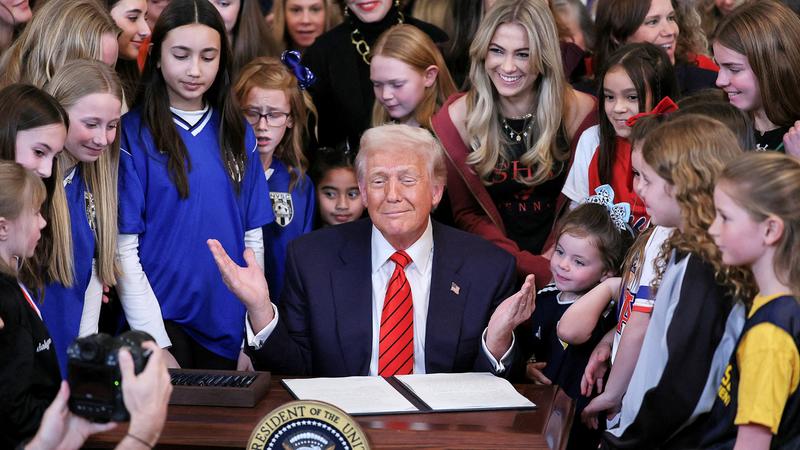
(696, 317)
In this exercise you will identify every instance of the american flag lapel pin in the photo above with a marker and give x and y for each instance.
(454, 288)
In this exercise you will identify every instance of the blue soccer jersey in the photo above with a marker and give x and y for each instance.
(63, 306)
(294, 216)
(173, 231)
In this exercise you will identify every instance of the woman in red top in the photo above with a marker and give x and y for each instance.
(509, 140)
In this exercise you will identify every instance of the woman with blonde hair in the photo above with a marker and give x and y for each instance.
(84, 213)
(509, 140)
(409, 77)
(62, 30)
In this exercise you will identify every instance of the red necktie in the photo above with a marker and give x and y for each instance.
(396, 345)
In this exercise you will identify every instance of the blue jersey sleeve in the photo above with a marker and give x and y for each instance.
(131, 190)
(255, 211)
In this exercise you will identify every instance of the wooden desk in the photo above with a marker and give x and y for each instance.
(547, 427)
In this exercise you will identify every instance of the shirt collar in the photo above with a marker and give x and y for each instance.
(419, 251)
(761, 300)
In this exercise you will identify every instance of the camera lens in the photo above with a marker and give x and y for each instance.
(88, 351)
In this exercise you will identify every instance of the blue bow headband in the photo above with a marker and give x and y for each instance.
(620, 212)
(305, 78)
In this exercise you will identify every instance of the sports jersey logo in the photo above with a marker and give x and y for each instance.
(724, 392)
(283, 207)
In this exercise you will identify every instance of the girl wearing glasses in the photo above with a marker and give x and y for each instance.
(277, 109)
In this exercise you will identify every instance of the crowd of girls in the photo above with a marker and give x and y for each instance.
(649, 188)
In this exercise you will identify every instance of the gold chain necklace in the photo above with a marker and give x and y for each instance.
(361, 45)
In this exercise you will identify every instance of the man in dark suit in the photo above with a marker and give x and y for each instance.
(351, 306)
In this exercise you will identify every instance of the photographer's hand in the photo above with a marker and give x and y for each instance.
(146, 396)
(62, 430)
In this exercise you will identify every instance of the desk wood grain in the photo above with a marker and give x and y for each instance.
(547, 427)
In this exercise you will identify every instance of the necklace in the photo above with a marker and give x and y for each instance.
(517, 136)
(361, 45)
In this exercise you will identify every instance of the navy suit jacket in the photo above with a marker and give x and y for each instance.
(325, 323)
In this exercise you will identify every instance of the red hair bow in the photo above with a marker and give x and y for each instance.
(665, 106)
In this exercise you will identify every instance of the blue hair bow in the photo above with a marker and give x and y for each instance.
(620, 212)
(305, 78)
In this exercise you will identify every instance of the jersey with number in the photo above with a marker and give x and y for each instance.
(636, 294)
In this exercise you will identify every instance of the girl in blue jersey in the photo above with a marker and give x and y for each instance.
(275, 103)
(757, 199)
(84, 212)
(189, 172)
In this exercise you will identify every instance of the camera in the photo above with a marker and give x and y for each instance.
(95, 381)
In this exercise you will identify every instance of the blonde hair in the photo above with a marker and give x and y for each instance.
(412, 46)
(483, 127)
(768, 184)
(435, 12)
(72, 82)
(60, 31)
(19, 189)
(271, 73)
(767, 33)
(689, 153)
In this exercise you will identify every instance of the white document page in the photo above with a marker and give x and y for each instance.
(464, 391)
(354, 395)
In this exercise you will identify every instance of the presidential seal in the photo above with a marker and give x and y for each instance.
(307, 425)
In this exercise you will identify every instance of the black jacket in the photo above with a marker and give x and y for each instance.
(29, 374)
(343, 92)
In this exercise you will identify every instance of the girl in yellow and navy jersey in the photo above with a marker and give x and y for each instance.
(757, 199)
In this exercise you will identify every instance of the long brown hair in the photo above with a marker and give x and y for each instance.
(652, 76)
(153, 99)
(24, 107)
(618, 20)
(767, 33)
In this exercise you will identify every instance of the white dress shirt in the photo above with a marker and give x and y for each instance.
(418, 273)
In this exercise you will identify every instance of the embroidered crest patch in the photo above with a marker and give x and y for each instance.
(283, 207)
